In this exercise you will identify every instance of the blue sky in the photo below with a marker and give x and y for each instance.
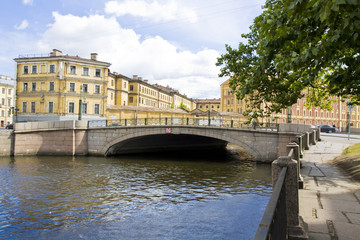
(169, 42)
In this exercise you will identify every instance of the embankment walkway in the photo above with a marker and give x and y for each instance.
(330, 201)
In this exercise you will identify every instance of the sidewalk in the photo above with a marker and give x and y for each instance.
(330, 201)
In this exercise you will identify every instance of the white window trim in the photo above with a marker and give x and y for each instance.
(70, 86)
(69, 108)
(53, 106)
(99, 89)
(50, 68)
(95, 108)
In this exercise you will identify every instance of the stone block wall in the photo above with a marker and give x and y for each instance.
(51, 138)
(6, 143)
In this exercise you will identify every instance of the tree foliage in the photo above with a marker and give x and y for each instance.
(297, 48)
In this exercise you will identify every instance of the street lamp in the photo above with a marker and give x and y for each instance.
(289, 115)
(350, 107)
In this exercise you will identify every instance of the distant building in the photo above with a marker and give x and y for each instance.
(298, 113)
(229, 102)
(7, 100)
(61, 87)
(208, 104)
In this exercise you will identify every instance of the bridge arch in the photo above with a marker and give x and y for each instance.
(212, 137)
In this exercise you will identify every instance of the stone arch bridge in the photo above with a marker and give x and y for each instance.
(77, 138)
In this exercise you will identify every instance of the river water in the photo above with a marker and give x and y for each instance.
(173, 196)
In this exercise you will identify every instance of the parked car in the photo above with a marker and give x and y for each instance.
(326, 128)
(10, 126)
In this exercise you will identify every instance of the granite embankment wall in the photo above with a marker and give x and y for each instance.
(6, 143)
(51, 138)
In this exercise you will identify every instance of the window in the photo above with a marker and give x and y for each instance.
(3, 113)
(124, 84)
(112, 82)
(97, 89)
(72, 69)
(112, 96)
(26, 70)
(84, 88)
(131, 99)
(97, 108)
(9, 91)
(51, 107)
(86, 71)
(3, 101)
(131, 88)
(3, 90)
(51, 86)
(71, 87)
(71, 107)
(34, 69)
(33, 86)
(9, 102)
(84, 108)
(52, 68)
(33, 107)
(24, 107)
(97, 72)
(25, 87)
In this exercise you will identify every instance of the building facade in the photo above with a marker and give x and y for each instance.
(229, 102)
(298, 113)
(7, 100)
(61, 87)
(208, 104)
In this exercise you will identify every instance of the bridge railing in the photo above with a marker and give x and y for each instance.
(273, 225)
(182, 122)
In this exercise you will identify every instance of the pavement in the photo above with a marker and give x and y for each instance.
(330, 201)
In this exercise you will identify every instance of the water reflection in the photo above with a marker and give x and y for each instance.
(51, 197)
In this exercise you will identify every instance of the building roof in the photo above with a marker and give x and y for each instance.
(56, 54)
(211, 101)
(5, 80)
(145, 109)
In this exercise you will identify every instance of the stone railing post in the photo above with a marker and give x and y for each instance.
(291, 182)
(306, 141)
(301, 145)
(314, 137)
(296, 157)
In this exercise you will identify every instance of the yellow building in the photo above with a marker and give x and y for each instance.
(229, 102)
(144, 94)
(206, 104)
(7, 97)
(61, 87)
(118, 89)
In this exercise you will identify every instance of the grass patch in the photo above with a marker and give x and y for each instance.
(349, 161)
(352, 150)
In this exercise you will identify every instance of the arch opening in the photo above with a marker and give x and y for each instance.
(165, 143)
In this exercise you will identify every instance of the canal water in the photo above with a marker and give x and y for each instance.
(208, 195)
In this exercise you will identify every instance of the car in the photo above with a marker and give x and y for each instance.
(326, 128)
(10, 126)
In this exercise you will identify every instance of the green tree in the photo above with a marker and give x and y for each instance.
(297, 48)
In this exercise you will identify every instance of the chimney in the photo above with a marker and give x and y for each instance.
(55, 53)
(146, 80)
(135, 77)
(94, 56)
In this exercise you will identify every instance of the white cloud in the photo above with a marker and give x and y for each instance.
(23, 25)
(28, 2)
(153, 58)
(154, 11)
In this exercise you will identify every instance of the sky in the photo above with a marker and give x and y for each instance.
(168, 42)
